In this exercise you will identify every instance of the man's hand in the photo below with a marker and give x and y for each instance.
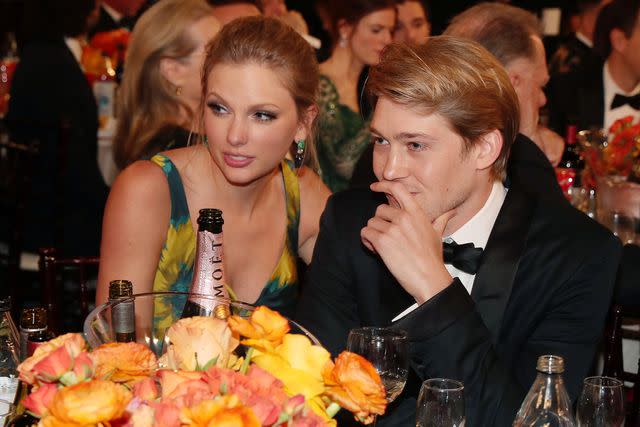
(409, 243)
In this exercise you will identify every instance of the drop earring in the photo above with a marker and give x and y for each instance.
(343, 41)
(299, 158)
(179, 90)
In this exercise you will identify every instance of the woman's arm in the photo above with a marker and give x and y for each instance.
(134, 228)
(313, 198)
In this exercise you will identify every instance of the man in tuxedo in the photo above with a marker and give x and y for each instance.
(116, 14)
(601, 92)
(578, 48)
(519, 276)
(512, 36)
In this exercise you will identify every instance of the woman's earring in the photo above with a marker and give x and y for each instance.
(299, 158)
(343, 41)
(179, 90)
(205, 140)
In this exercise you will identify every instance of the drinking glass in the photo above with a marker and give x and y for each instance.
(6, 411)
(440, 403)
(601, 403)
(388, 351)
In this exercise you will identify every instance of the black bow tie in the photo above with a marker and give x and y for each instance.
(620, 100)
(464, 257)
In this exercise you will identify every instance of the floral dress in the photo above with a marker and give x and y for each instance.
(342, 137)
(175, 268)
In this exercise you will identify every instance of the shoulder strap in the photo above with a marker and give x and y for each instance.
(179, 207)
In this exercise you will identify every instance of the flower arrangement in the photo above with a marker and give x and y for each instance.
(282, 379)
(105, 51)
(615, 153)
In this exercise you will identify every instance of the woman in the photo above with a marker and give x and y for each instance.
(360, 30)
(259, 86)
(161, 83)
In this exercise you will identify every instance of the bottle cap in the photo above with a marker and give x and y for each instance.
(120, 289)
(210, 215)
(550, 364)
(33, 319)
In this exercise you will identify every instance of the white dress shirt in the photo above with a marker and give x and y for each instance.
(584, 39)
(114, 14)
(610, 90)
(75, 47)
(476, 231)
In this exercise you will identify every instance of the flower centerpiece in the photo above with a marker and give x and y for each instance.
(282, 379)
(611, 153)
(104, 53)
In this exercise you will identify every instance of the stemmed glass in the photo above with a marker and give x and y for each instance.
(388, 351)
(440, 403)
(601, 403)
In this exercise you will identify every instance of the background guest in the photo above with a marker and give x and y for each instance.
(160, 90)
(49, 89)
(607, 88)
(259, 88)
(412, 24)
(579, 47)
(116, 14)
(226, 11)
(360, 29)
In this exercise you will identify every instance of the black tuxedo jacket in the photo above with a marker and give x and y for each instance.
(527, 163)
(543, 287)
(577, 98)
(49, 87)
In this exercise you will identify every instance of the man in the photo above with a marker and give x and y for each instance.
(116, 14)
(412, 25)
(599, 93)
(579, 47)
(226, 11)
(444, 120)
(513, 36)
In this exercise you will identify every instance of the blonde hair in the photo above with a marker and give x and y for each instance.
(273, 44)
(147, 100)
(456, 79)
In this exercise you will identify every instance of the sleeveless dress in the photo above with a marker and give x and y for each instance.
(175, 268)
(342, 137)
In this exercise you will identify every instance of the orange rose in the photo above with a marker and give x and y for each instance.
(265, 328)
(50, 370)
(170, 380)
(355, 385)
(89, 402)
(39, 401)
(124, 362)
(226, 411)
(198, 342)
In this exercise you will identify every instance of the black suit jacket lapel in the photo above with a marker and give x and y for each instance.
(591, 100)
(501, 257)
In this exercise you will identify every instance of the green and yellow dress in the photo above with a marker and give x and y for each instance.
(175, 268)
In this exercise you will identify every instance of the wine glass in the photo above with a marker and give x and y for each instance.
(440, 403)
(601, 403)
(388, 351)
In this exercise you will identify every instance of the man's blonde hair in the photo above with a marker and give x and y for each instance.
(456, 79)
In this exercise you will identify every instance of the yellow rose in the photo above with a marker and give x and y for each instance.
(265, 328)
(226, 411)
(89, 402)
(196, 342)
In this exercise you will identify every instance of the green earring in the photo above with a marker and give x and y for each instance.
(299, 158)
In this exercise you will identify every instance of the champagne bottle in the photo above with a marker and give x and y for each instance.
(123, 316)
(547, 403)
(208, 272)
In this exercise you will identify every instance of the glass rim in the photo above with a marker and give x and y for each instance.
(457, 385)
(374, 331)
(8, 409)
(593, 381)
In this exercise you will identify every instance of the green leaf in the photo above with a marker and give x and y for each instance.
(210, 363)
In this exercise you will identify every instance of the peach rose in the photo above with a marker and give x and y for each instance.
(355, 385)
(124, 362)
(73, 344)
(89, 402)
(170, 380)
(226, 411)
(197, 343)
(265, 328)
(146, 390)
(38, 402)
